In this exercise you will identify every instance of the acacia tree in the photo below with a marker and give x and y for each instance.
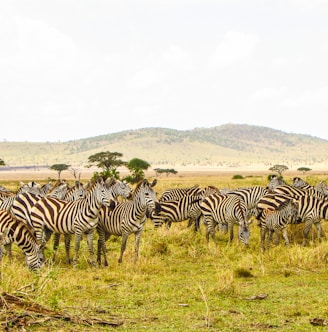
(59, 168)
(108, 162)
(167, 171)
(2, 163)
(304, 169)
(137, 168)
(278, 169)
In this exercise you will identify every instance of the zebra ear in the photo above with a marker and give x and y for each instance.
(153, 184)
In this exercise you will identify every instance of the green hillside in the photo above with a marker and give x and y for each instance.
(227, 145)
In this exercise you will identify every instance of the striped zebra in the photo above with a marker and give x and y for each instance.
(185, 208)
(251, 196)
(116, 188)
(178, 193)
(126, 218)
(297, 192)
(301, 184)
(227, 210)
(275, 181)
(50, 215)
(22, 203)
(15, 231)
(277, 220)
(312, 210)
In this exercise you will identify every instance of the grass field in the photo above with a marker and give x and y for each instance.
(180, 282)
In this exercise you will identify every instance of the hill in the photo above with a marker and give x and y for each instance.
(229, 145)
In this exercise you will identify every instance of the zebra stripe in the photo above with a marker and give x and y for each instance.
(13, 230)
(297, 192)
(187, 207)
(178, 193)
(50, 215)
(311, 210)
(126, 218)
(277, 220)
(225, 209)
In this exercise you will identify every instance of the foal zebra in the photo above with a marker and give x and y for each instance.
(50, 215)
(126, 218)
(228, 210)
(13, 230)
(277, 220)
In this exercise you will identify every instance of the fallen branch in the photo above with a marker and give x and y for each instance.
(33, 313)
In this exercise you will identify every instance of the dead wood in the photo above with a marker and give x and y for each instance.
(19, 312)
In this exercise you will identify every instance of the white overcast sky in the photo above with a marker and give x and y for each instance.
(73, 69)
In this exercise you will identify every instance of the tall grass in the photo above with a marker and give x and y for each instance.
(182, 283)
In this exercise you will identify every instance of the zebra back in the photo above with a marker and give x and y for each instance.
(178, 193)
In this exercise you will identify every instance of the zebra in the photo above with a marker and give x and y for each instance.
(297, 192)
(275, 181)
(185, 208)
(178, 193)
(126, 218)
(22, 203)
(277, 220)
(311, 210)
(301, 184)
(50, 215)
(116, 188)
(228, 210)
(251, 196)
(13, 230)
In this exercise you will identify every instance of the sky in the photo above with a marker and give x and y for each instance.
(72, 69)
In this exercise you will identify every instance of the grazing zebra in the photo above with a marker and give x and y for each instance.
(126, 218)
(50, 215)
(225, 209)
(311, 211)
(177, 193)
(13, 230)
(251, 196)
(277, 220)
(185, 208)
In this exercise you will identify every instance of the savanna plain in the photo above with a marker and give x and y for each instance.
(179, 283)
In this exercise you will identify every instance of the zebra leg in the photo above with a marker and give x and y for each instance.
(285, 235)
(136, 245)
(78, 238)
(68, 238)
(306, 230)
(230, 226)
(101, 243)
(123, 246)
(56, 244)
(319, 230)
(263, 235)
(90, 246)
(9, 251)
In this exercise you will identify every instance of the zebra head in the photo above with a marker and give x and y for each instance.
(244, 233)
(147, 195)
(119, 188)
(34, 260)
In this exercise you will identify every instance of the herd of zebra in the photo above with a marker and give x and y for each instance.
(31, 215)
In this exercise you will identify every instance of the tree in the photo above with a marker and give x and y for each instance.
(108, 162)
(278, 169)
(137, 167)
(167, 171)
(59, 168)
(2, 163)
(304, 169)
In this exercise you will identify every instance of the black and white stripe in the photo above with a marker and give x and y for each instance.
(227, 210)
(50, 215)
(15, 231)
(126, 218)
